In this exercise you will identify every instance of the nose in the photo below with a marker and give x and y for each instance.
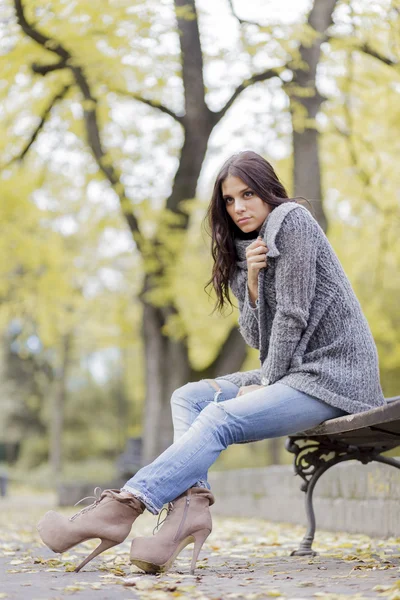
(239, 206)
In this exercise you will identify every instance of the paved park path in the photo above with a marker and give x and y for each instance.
(243, 559)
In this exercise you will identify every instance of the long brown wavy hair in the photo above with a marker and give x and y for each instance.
(260, 176)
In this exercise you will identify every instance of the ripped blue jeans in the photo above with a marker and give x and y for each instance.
(207, 421)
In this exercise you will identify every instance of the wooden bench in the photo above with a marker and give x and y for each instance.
(362, 436)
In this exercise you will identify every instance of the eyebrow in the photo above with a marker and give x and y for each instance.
(241, 192)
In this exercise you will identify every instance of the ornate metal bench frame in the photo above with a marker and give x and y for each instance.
(362, 436)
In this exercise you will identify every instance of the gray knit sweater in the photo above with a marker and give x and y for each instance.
(307, 323)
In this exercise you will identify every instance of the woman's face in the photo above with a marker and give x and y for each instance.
(244, 207)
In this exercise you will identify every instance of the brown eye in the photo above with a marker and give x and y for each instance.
(248, 194)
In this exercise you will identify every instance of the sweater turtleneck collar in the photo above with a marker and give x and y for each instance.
(241, 245)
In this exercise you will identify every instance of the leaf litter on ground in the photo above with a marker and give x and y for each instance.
(235, 550)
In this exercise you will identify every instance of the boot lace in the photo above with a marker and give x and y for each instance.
(96, 497)
(169, 509)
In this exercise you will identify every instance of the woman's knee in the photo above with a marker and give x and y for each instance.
(199, 394)
(186, 394)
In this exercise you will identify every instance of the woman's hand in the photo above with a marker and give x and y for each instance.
(248, 388)
(256, 257)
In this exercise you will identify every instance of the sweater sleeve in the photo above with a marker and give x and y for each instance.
(248, 321)
(242, 378)
(295, 280)
(249, 329)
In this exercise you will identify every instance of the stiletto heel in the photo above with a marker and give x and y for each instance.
(104, 545)
(188, 521)
(199, 539)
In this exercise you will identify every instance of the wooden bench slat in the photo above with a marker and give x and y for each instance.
(389, 413)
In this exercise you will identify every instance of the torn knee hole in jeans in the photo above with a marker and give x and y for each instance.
(214, 385)
(216, 395)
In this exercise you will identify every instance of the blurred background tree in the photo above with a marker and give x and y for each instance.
(115, 119)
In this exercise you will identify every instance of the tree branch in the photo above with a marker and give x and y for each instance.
(217, 116)
(44, 69)
(90, 118)
(94, 141)
(241, 21)
(60, 96)
(37, 36)
(366, 49)
(192, 65)
(151, 103)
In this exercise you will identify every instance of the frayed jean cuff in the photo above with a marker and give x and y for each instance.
(202, 483)
(143, 498)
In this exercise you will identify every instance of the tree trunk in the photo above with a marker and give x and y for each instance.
(57, 410)
(306, 158)
(307, 170)
(167, 361)
(168, 368)
(275, 450)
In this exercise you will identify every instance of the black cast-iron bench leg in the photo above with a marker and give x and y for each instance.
(310, 465)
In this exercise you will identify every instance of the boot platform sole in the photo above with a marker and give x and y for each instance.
(198, 539)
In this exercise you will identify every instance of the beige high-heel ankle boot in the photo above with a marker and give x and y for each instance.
(188, 520)
(109, 518)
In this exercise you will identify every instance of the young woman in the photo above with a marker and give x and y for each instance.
(317, 355)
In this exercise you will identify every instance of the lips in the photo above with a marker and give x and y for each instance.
(244, 220)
